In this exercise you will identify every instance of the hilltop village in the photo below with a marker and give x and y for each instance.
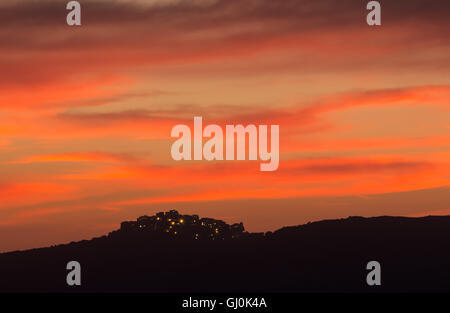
(184, 226)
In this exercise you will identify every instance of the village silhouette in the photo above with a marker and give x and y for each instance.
(176, 225)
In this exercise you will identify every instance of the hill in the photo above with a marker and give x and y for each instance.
(325, 256)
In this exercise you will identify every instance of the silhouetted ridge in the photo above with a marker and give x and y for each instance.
(380, 226)
(331, 255)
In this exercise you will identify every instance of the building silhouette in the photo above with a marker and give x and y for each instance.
(175, 224)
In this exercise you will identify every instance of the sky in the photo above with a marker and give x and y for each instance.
(86, 112)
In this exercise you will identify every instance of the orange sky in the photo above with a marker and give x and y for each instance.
(86, 112)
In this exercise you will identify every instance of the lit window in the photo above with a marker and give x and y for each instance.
(173, 223)
(181, 221)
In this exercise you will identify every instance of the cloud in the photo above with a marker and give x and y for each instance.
(302, 117)
(21, 193)
(75, 157)
(346, 168)
(125, 35)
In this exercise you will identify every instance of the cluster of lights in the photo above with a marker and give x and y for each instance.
(171, 224)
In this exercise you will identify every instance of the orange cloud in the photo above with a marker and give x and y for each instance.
(29, 193)
(74, 157)
(67, 93)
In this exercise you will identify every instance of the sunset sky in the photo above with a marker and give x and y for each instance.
(86, 112)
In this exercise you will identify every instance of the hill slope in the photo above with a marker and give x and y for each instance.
(324, 256)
